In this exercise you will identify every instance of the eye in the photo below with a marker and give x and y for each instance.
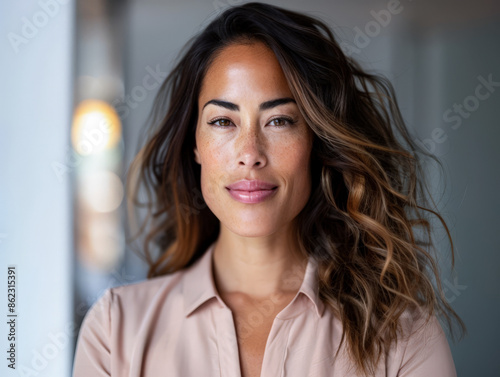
(279, 122)
(224, 122)
(282, 122)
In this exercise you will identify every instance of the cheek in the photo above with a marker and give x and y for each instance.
(213, 175)
(296, 162)
(293, 158)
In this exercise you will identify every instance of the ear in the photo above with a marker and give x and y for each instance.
(196, 155)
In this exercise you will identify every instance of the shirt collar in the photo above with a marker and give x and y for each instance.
(198, 287)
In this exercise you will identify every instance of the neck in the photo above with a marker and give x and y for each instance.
(257, 267)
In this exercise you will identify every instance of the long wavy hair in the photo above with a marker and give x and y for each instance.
(366, 221)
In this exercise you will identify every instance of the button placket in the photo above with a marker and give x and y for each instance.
(276, 348)
(227, 343)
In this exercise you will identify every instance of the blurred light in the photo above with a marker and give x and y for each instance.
(102, 190)
(96, 127)
(104, 247)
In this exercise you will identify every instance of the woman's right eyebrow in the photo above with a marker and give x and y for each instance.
(227, 105)
(263, 106)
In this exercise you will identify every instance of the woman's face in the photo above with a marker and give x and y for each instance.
(257, 133)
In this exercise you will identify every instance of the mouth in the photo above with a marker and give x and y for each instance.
(251, 185)
(253, 196)
(256, 190)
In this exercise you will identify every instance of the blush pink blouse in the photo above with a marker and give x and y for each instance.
(178, 326)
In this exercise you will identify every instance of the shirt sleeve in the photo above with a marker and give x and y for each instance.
(93, 353)
(427, 352)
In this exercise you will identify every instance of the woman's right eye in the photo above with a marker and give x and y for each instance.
(223, 122)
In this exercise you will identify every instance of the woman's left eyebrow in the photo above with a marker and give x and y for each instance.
(263, 106)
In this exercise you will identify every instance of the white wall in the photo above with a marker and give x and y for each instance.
(35, 205)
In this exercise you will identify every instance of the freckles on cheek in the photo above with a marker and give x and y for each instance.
(294, 156)
(213, 176)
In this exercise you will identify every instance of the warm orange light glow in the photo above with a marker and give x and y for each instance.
(102, 190)
(96, 127)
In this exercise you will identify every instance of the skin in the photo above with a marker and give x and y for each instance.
(254, 257)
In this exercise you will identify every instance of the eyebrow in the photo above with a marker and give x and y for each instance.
(263, 106)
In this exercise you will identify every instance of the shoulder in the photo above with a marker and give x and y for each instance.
(128, 303)
(144, 291)
(124, 309)
(423, 346)
(419, 326)
(131, 302)
(121, 319)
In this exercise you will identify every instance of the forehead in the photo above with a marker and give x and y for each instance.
(243, 68)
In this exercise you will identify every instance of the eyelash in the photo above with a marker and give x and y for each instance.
(289, 120)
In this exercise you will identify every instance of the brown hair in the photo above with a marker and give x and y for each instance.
(369, 199)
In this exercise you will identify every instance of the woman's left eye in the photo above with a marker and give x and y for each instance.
(283, 122)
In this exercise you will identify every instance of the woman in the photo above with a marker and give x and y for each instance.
(283, 191)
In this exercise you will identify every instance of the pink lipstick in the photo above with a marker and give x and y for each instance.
(251, 191)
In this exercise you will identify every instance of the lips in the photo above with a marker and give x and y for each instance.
(251, 185)
(251, 191)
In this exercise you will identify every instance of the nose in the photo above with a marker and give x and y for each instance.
(250, 148)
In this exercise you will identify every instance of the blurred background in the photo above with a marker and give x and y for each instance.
(79, 78)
